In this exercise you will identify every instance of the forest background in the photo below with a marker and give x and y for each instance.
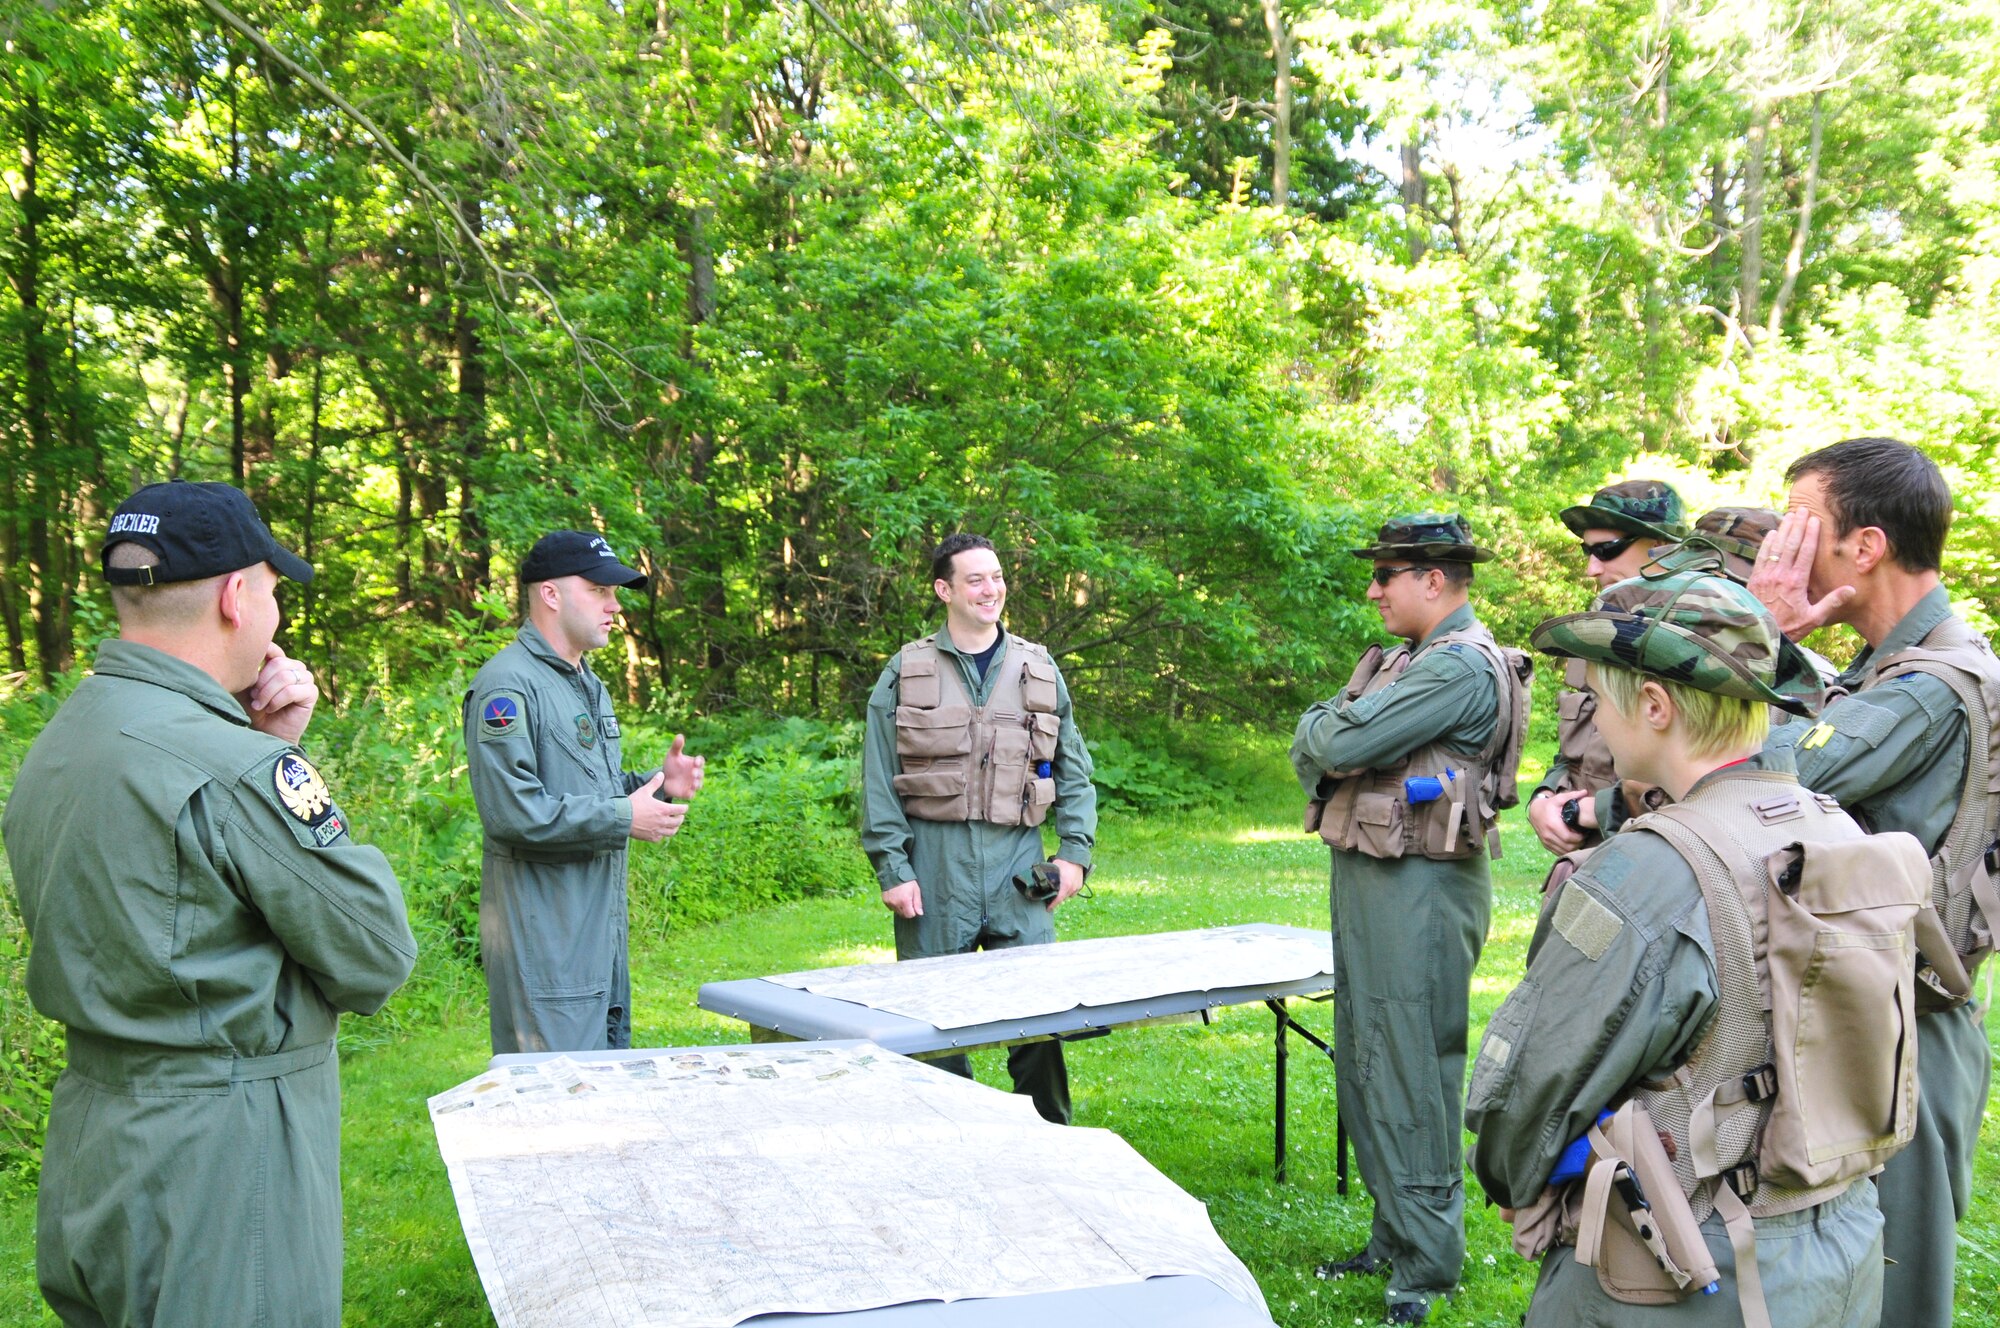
(1176, 300)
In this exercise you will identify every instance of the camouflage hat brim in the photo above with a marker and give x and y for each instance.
(1656, 646)
(1584, 517)
(1430, 553)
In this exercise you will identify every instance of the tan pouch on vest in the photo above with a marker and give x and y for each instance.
(1841, 989)
(1641, 1238)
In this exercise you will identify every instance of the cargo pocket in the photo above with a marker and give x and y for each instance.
(933, 795)
(928, 735)
(1378, 825)
(1042, 732)
(1848, 1003)
(1038, 684)
(1040, 794)
(918, 684)
(1493, 1070)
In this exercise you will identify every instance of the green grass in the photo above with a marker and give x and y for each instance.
(1195, 1101)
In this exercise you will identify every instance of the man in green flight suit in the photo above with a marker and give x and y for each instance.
(558, 807)
(1861, 543)
(1639, 989)
(949, 837)
(1407, 769)
(1618, 529)
(200, 918)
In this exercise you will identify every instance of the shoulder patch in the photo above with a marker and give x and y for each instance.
(502, 714)
(1585, 923)
(303, 793)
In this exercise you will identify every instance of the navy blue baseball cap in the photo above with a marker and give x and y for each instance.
(578, 553)
(196, 531)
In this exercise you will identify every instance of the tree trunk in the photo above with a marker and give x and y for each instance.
(468, 350)
(1281, 101)
(45, 588)
(1414, 199)
(1750, 269)
(1795, 256)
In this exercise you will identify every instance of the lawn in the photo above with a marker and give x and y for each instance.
(1195, 1101)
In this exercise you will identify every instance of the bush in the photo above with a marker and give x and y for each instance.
(775, 821)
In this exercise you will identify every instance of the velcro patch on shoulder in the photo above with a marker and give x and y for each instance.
(1585, 922)
(304, 794)
(502, 714)
(1861, 721)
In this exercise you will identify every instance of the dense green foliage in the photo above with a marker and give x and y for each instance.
(1174, 299)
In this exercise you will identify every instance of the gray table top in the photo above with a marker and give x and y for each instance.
(801, 1014)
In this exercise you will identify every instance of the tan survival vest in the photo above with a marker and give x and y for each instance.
(963, 762)
(1369, 811)
(1967, 863)
(1578, 742)
(1806, 1078)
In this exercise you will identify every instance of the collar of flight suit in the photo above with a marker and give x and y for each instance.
(538, 646)
(1769, 761)
(1918, 623)
(1457, 620)
(119, 658)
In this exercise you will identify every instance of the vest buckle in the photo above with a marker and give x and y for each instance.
(1742, 1179)
(1761, 1084)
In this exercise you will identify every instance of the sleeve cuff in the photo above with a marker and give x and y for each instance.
(1070, 851)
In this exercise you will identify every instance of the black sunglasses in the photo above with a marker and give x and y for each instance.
(1384, 575)
(1605, 550)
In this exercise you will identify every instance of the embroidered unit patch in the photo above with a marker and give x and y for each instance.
(300, 788)
(500, 716)
(586, 731)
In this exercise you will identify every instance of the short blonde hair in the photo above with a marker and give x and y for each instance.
(1714, 723)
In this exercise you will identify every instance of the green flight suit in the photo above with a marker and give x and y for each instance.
(1896, 758)
(199, 918)
(542, 748)
(1407, 933)
(1582, 1029)
(966, 869)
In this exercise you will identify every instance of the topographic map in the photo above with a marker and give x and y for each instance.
(690, 1189)
(961, 991)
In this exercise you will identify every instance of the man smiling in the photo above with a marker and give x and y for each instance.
(970, 747)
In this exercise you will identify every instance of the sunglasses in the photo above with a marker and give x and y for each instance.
(1384, 575)
(1605, 550)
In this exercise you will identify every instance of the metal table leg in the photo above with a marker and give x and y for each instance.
(1282, 1058)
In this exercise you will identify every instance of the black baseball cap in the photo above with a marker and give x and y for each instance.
(578, 553)
(197, 530)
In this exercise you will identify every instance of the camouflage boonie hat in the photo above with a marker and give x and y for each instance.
(1430, 536)
(1637, 507)
(1724, 540)
(1693, 628)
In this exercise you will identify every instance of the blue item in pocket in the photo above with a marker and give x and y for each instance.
(1426, 788)
(1044, 770)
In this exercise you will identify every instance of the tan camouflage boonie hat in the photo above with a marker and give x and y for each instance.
(1637, 507)
(1725, 540)
(1693, 628)
(1429, 536)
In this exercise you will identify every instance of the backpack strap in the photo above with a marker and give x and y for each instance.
(1974, 835)
(1720, 864)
